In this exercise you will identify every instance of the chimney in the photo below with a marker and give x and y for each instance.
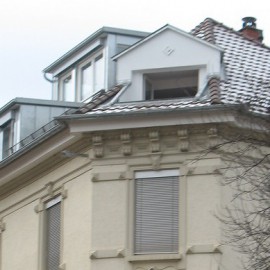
(249, 29)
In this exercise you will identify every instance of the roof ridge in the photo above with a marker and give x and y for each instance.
(207, 26)
(214, 22)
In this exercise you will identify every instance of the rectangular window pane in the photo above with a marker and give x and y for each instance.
(7, 139)
(86, 81)
(156, 215)
(68, 90)
(53, 214)
(99, 73)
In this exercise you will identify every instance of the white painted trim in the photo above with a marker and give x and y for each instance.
(77, 57)
(6, 117)
(164, 28)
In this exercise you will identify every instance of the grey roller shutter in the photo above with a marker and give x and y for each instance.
(53, 215)
(156, 215)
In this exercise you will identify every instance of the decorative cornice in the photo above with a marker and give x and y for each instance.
(64, 192)
(126, 144)
(49, 188)
(213, 136)
(98, 146)
(39, 207)
(154, 141)
(183, 140)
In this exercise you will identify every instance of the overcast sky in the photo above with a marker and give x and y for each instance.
(34, 33)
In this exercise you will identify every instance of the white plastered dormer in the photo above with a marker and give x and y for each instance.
(168, 63)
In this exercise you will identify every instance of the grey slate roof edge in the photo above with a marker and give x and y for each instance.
(41, 102)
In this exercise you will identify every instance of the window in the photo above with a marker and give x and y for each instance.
(68, 89)
(156, 212)
(92, 76)
(99, 73)
(53, 233)
(7, 139)
(86, 81)
(174, 84)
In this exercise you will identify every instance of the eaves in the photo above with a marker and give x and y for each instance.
(151, 118)
(101, 33)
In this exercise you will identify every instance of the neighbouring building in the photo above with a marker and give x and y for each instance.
(123, 182)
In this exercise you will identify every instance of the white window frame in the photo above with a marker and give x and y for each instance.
(156, 174)
(76, 77)
(7, 125)
(91, 60)
(62, 79)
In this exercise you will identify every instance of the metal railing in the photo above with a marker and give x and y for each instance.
(46, 128)
(33, 136)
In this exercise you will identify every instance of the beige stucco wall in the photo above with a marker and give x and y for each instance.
(98, 207)
(19, 245)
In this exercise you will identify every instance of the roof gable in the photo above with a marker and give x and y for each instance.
(159, 32)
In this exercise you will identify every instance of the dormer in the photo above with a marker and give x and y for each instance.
(168, 64)
(88, 67)
(22, 120)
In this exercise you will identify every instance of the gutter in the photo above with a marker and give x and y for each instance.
(217, 107)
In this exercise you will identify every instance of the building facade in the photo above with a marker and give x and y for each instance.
(126, 181)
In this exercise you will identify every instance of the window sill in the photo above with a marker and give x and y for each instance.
(155, 257)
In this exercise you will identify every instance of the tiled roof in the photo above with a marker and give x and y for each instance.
(247, 69)
(100, 98)
(247, 66)
(149, 106)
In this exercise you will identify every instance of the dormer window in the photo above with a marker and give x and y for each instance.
(7, 139)
(91, 76)
(172, 84)
(84, 80)
(68, 90)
